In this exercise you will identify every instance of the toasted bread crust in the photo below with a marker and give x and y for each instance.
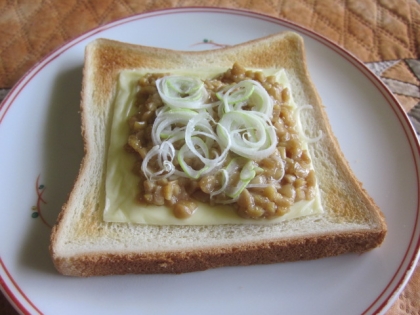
(344, 198)
(307, 248)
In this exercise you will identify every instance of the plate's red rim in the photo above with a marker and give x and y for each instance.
(401, 276)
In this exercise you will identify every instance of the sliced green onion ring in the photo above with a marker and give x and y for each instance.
(192, 173)
(165, 154)
(184, 85)
(199, 125)
(251, 135)
(247, 173)
(246, 93)
(225, 178)
(233, 190)
(235, 93)
(301, 132)
(182, 92)
(166, 124)
(260, 101)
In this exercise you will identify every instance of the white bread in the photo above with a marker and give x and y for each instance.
(82, 244)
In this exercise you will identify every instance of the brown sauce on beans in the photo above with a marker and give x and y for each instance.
(289, 162)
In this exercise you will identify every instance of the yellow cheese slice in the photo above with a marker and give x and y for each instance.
(121, 183)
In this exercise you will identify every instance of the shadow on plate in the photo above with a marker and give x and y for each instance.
(63, 152)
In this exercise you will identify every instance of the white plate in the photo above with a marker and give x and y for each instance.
(41, 149)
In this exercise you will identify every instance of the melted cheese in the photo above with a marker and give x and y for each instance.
(121, 183)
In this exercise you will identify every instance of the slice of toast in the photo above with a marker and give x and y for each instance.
(83, 244)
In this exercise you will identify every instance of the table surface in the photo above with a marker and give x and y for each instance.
(384, 34)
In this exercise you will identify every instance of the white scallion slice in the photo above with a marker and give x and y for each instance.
(235, 164)
(235, 191)
(184, 85)
(182, 92)
(250, 134)
(168, 124)
(260, 101)
(246, 93)
(247, 173)
(189, 170)
(301, 132)
(164, 154)
(238, 92)
(224, 181)
(199, 126)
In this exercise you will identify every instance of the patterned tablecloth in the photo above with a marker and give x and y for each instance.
(384, 34)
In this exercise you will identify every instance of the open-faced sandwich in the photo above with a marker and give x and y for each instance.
(197, 160)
